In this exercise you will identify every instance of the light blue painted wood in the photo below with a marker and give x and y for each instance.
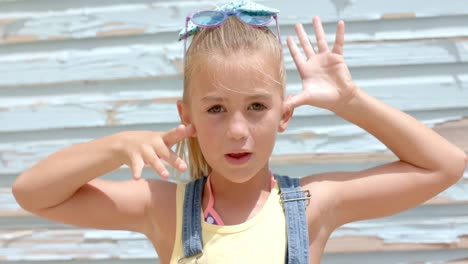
(156, 61)
(75, 70)
(83, 21)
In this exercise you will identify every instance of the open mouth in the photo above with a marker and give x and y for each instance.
(238, 158)
(238, 155)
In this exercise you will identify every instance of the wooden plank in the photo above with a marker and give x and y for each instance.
(399, 233)
(43, 98)
(85, 261)
(316, 142)
(406, 234)
(156, 61)
(306, 119)
(392, 257)
(74, 244)
(449, 203)
(99, 109)
(106, 63)
(293, 165)
(365, 244)
(459, 261)
(421, 29)
(456, 131)
(22, 23)
(436, 256)
(411, 227)
(393, 89)
(367, 8)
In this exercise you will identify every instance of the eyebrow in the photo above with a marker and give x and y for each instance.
(264, 96)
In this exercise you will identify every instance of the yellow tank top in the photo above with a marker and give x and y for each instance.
(261, 239)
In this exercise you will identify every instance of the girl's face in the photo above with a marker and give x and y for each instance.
(236, 115)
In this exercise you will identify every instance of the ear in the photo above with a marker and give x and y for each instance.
(287, 113)
(184, 114)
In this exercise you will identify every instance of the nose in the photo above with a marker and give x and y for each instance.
(238, 127)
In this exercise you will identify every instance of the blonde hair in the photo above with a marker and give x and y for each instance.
(233, 37)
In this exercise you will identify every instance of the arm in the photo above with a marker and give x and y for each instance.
(427, 164)
(63, 187)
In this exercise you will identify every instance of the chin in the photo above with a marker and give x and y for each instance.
(238, 175)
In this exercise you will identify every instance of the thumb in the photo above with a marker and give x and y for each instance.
(293, 101)
(178, 134)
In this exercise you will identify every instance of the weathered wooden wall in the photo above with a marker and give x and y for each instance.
(72, 71)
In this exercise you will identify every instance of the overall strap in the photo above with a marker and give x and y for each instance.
(191, 226)
(294, 204)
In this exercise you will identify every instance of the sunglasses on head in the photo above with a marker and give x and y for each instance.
(214, 18)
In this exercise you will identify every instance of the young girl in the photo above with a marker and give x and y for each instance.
(232, 108)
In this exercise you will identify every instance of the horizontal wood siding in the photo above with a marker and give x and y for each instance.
(72, 71)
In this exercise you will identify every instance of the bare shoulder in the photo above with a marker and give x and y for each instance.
(163, 204)
(163, 216)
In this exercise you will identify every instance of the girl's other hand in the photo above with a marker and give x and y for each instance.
(326, 80)
(138, 148)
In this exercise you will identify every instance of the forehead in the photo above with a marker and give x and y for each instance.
(243, 75)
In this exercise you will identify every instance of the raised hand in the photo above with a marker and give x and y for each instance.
(326, 80)
(140, 148)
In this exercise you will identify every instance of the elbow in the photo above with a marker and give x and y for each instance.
(456, 167)
(19, 194)
(22, 195)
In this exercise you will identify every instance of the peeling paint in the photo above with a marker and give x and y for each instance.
(73, 81)
(115, 9)
(21, 38)
(108, 63)
(111, 117)
(458, 192)
(121, 32)
(5, 21)
(398, 15)
(442, 230)
(78, 22)
(156, 61)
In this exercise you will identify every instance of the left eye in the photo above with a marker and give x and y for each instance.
(257, 107)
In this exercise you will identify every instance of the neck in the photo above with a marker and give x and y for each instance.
(226, 190)
(238, 202)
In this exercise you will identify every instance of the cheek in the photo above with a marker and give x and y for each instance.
(265, 130)
(207, 131)
(270, 121)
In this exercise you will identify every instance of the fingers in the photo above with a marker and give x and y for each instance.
(305, 41)
(294, 51)
(320, 35)
(149, 156)
(137, 167)
(152, 159)
(155, 150)
(171, 138)
(339, 39)
(172, 159)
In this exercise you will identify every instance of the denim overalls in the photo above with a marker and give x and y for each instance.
(294, 204)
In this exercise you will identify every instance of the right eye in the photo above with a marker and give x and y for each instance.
(216, 109)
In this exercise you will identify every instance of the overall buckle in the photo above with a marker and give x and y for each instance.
(283, 199)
